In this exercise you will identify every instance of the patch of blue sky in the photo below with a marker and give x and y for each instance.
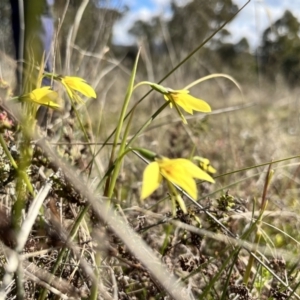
(137, 4)
(257, 16)
(138, 10)
(249, 23)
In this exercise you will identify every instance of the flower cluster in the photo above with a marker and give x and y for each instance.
(47, 97)
(181, 172)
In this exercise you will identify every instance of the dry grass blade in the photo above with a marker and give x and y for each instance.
(134, 243)
(31, 216)
(58, 286)
(14, 259)
(247, 246)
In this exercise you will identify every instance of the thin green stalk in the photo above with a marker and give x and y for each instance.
(15, 166)
(80, 123)
(220, 271)
(293, 291)
(258, 224)
(110, 170)
(228, 277)
(94, 289)
(146, 124)
(251, 258)
(257, 166)
(168, 231)
(233, 255)
(22, 177)
(58, 262)
(108, 189)
(242, 170)
(8, 154)
(118, 163)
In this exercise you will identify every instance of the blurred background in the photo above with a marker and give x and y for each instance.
(261, 42)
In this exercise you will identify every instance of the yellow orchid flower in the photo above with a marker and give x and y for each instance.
(186, 101)
(42, 96)
(179, 171)
(183, 99)
(78, 84)
(205, 165)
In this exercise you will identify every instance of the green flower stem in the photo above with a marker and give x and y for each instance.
(130, 112)
(118, 163)
(114, 169)
(132, 140)
(168, 232)
(178, 111)
(109, 187)
(23, 183)
(22, 174)
(147, 123)
(14, 98)
(212, 76)
(142, 83)
(110, 170)
(9, 156)
(80, 123)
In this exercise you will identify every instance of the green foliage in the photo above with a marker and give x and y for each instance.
(191, 23)
(280, 49)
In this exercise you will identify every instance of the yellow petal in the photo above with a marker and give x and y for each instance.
(181, 203)
(172, 102)
(80, 85)
(151, 180)
(182, 172)
(175, 171)
(210, 169)
(185, 182)
(194, 171)
(178, 91)
(190, 103)
(43, 96)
